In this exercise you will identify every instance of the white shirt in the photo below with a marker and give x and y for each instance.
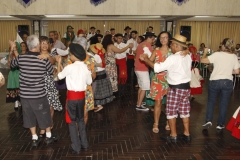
(178, 67)
(123, 54)
(89, 35)
(77, 76)
(97, 59)
(135, 44)
(224, 64)
(59, 44)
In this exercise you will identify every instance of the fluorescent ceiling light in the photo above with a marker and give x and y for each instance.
(58, 16)
(5, 16)
(201, 16)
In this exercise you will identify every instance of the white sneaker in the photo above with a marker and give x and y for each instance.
(143, 103)
(142, 108)
(16, 104)
(220, 127)
(207, 125)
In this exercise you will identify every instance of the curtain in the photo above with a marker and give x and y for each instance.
(9, 32)
(199, 32)
(221, 30)
(140, 26)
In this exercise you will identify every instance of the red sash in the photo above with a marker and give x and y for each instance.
(130, 56)
(72, 95)
(103, 60)
(122, 77)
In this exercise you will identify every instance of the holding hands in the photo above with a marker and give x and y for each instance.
(58, 58)
(143, 57)
(12, 44)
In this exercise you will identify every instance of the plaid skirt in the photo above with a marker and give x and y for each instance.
(102, 89)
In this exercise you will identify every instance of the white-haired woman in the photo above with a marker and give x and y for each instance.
(225, 64)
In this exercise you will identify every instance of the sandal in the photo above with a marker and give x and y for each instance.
(167, 127)
(98, 108)
(155, 129)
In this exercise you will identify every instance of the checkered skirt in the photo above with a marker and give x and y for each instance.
(178, 102)
(102, 89)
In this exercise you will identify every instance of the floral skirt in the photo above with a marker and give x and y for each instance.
(52, 93)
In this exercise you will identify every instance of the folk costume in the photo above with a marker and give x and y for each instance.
(70, 36)
(126, 36)
(102, 87)
(121, 63)
(130, 62)
(76, 72)
(234, 124)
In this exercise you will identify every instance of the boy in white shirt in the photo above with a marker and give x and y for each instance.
(78, 77)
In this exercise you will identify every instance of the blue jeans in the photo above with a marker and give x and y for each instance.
(225, 88)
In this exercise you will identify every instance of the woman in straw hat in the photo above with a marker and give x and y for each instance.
(102, 87)
(111, 67)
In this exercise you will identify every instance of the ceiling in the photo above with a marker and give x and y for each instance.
(100, 17)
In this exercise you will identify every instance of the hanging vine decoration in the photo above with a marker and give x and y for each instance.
(26, 3)
(97, 2)
(180, 2)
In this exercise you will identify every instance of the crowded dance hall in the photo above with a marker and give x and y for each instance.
(119, 80)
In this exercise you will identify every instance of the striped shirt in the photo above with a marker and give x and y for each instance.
(32, 74)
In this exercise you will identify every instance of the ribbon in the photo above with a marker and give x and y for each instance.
(101, 54)
(97, 2)
(26, 3)
(180, 2)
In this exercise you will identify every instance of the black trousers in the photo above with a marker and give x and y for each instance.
(130, 72)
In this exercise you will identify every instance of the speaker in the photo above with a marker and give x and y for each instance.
(186, 32)
(23, 29)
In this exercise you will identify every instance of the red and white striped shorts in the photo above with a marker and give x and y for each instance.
(178, 102)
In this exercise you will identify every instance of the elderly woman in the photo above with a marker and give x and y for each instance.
(225, 64)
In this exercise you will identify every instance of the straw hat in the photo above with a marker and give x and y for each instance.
(97, 48)
(181, 40)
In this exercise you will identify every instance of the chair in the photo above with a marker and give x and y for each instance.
(236, 78)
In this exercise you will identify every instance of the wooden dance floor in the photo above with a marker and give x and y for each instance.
(119, 132)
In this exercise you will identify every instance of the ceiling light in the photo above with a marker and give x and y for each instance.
(201, 16)
(4, 16)
(58, 16)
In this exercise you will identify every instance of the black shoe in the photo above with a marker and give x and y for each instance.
(35, 142)
(73, 151)
(170, 139)
(185, 138)
(55, 137)
(48, 140)
(192, 99)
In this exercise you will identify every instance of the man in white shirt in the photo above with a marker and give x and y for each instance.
(121, 59)
(178, 77)
(130, 58)
(91, 33)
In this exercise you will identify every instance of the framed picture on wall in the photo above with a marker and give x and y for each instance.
(169, 27)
